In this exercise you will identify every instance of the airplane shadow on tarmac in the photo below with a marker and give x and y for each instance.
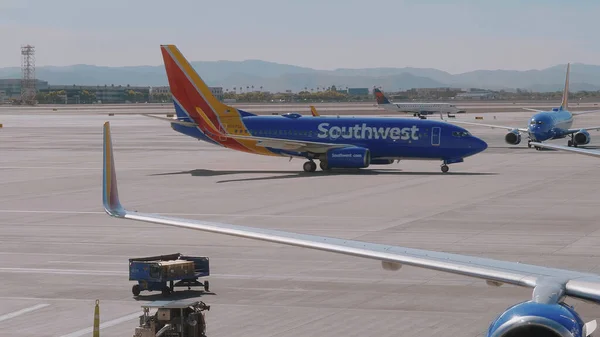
(302, 174)
(174, 296)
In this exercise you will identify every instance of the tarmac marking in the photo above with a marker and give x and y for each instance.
(22, 311)
(107, 324)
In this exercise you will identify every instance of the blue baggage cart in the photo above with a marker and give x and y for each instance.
(149, 274)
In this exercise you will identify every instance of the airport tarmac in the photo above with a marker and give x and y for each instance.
(60, 252)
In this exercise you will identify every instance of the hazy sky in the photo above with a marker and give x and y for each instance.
(454, 36)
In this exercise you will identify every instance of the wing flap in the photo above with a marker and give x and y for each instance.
(582, 285)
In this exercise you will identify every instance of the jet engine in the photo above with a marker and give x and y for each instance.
(533, 319)
(582, 137)
(349, 157)
(513, 137)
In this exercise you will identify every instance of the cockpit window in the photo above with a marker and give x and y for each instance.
(534, 122)
(461, 133)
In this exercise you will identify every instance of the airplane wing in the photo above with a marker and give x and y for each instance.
(276, 143)
(486, 125)
(575, 113)
(553, 283)
(172, 120)
(578, 150)
(534, 110)
(574, 130)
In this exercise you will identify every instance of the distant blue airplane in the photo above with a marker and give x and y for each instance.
(548, 125)
(337, 142)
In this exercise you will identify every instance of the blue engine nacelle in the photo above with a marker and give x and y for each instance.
(349, 157)
(582, 137)
(530, 319)
(513, 137)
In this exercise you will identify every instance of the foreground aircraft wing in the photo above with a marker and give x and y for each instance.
(550, 283)
(577, 150)
(276, 143)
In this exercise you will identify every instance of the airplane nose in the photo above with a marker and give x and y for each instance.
(479, 144)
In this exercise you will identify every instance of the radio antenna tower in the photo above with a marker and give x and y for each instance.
(28, 81)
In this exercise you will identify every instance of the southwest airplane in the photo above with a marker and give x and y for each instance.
(417, 109)
(545, 314)
(548, 125)
(337, 142)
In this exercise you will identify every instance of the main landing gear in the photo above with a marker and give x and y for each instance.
(445, 168)
(311, 166)
(572, 142)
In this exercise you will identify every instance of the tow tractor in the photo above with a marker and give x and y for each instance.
(183, 318)
(154, 272)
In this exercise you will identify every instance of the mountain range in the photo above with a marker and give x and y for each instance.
(279, 77)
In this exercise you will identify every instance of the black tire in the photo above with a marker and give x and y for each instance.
(206, 284)
(307, 167)
(135, 290)
(166, 291)
(445, 168)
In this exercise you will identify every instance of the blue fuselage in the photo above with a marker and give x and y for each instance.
(384, 137)
(550, 125)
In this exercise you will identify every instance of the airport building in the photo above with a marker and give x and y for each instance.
(76, 94)
(11, 87)
(475, 94)
(358, 91)
(216, 91)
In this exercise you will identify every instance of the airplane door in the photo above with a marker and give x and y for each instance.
(436, 135)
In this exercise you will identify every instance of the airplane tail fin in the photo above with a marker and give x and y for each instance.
(380, 97)
(565, 99)
(313, 111)
(189, 91)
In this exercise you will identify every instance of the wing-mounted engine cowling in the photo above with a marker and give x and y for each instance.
(582, 137)
(513, 137)
(349, 157)
(532, 319)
